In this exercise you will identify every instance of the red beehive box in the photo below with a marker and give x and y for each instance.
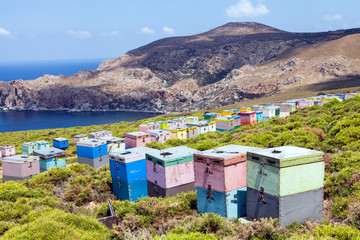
(248, 117)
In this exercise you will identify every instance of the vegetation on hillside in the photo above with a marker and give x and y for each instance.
(63, 203)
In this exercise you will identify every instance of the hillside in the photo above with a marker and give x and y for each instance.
(225, 65)
(63, 203)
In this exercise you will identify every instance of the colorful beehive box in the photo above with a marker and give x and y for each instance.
(42, 144)
(318, 102)
(159, 135)
(268, 112)
(257, 108)
(203, 126)
(28, 148)
(163, 124)
(50, 158)
(285, 109)
(61, 143)
(349, 95)
(176, 122)
(114, 144)
(177, 132)
(245, 109)
(19, 167)
(259, 116)
(292, 106)
(220, 180)
(248, 118)
(92, 152)
(192, 132)
(149, 126)
(237, 121)
(286, 183)
(98, 134)
(225, 123)
(170, 171)
(7, 150)
(137, 139)
(305, 103)
(227, 112)
(128, 173)
(208, 116)
(191, 119)
(79, 137)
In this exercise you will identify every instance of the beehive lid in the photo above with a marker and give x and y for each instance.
(7, 146)
(91, 142)
(29, 144)
(225, 155)
(172, 156)
(198, 124)
(132, 154)
(286, 156)
(136, 134)
(259, 112)
(247, 113)
(79, 136)
(111, 139)
(157, 132)
(60, 139)
(20, 159)
(42, 142)
(49, 152)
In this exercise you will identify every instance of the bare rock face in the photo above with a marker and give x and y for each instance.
(228, 64)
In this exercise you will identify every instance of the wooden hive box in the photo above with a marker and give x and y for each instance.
(170, 170)
(28, 148)
(257, 108)
(163, 124)
(79, 137)
(61, 143)
(203, 126)
(318, 102)
(248, 117)
(227, 112)
(305, 103)
(191, 119)
(245, 109)
(208, 116)
(92, 152)
(177, 132)
(223, 168)
(145, 127)
(19, 167)
(268, 112)
(237, 121)
(114, 144)
(259, 116)
(159, 135)
(212, 126)
(42, 144)
(136, 139)
(286, 183)
(128, 173)
(284, 110)
(225, 123)
(7, 150)
(349, 95)
(50, 158)
(230, 205)
(192, 132)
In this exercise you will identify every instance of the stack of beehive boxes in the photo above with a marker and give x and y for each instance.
(103, 133)
(149, 126)
(159, 135)
(128, 173)
(136, 139)
(191, 132)
(50, 158)
(227, 112)
(305, 103)
(203, 126)
(245, 109)
(257, 108)
(248, 117)
(220, 180)
(191, 119)
(177, 132)
(268, 112)
(259, 116)
(114, 144)
(208, 116)
(285, 183)
(61, 143)
(225, 123)
(79, 137)
(19, 167)
(92, 152)
(42, 144)
(28, 148)
(7, 150)
(285, 109)
(170, 171)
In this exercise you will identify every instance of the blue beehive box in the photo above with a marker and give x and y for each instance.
(128, 173)
(28, 148)
(91, 148)
(61, 143)
(226, 204)
(42, 144)
(50, 158)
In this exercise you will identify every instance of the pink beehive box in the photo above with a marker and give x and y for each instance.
(145, 127)
(223, 168)
(159, 135)
(20, 167)
(7, 150)
(137, 139)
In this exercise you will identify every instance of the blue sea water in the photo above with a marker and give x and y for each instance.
(34, 69)
(31, 120)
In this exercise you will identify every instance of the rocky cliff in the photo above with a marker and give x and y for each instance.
(227, 64)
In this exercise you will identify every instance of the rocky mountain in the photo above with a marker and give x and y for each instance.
(227, 64)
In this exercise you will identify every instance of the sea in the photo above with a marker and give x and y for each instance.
(32, 120)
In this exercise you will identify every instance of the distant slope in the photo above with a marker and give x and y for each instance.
(225, 65)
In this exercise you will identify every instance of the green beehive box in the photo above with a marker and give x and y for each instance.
(172, 156)
(285, 170)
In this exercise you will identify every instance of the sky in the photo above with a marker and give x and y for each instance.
(38, 30)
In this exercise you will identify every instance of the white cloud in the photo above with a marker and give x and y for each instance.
(4, 32)
(245, 8)
(333, 17)
(80, 34)
(147, 31)
(168, 30)
(111, 34)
